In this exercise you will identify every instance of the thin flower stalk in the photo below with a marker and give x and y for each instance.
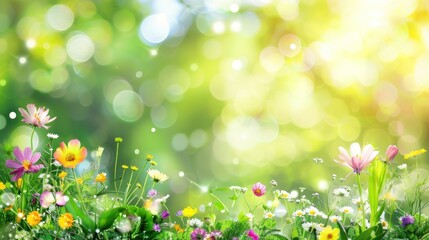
(361, 201)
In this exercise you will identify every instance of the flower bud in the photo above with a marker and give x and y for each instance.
(391, 153)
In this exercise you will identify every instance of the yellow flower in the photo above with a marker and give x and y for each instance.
(79, 180)
(189, 212)
(414, 153)
(71, 154)
(156, 175)
(149, 157)
(19, 215)
(62, 175)
(124, 166)
(19, 183)
(65, 221)
(389, 196)
(34, 218)
(178, 228)
(153, 163)
(134, 168)
(101, 177)
(118, 139)
(329, 234)
(2, 186)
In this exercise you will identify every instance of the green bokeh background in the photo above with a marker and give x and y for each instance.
(234, 92)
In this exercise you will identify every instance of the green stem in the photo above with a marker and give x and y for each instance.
(361, 201)
(116, 164)
(128, 187)
(144, 187)
(79, 192)
(122, 178)
(31, 138)
(224, 206)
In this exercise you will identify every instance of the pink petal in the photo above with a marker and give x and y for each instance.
(13, 164)
(35, 157)
(46, 199)
(367, 151)
(74, 144)
(344, 155)
(355, 150)
(36, 168)
(18, 154)
(61, 199)
(31, 109)
(356, 164)
(18, 174)
(27, 153)
(25, 115)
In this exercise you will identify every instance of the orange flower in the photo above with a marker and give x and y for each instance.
(178, 228)
(101, 177)
(65, 221)
(71, 154)
(34, 218)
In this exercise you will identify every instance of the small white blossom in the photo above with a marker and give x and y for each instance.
(52, 136)
(195, 223)
(402, 166)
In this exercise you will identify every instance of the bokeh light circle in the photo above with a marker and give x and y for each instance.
(2, 122)
(80, 47)
(290, 45)
(60, 17)
(128, 106)
(154, 29)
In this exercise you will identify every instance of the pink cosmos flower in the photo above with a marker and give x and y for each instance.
(391, 152)
(258, 189)
(36, 116)
(26, 163)
(48, 198)
(252, 234)
(357, 160)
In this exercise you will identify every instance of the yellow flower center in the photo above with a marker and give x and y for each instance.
(312, 212)
(70, 157)
(26, 164)
(330, 236)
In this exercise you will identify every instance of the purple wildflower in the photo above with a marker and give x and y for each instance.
(179, 213)
(407, 220)
(198, 234)
(157, 227)
(26, 163)
(165, 214)
(152, 193)
(258, 189)
(252, 234)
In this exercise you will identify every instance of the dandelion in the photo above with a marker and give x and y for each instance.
(258, 189)
(37, 117)
(65, 221)
(156, 175)
(33, 218)
(2, 186)
(329, 234)
(407, 220)
(125, 167)
(414, 153)
(346, 210)
(26, 163)
(149, 157)
(101, 177)
(357, 160)
(195, 223)
(134, 168)
(189, 212)
(71, 154)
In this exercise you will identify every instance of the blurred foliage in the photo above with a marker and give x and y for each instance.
(229, 92)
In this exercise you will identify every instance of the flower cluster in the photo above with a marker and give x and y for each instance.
(46, 197)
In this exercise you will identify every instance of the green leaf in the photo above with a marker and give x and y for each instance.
(218, 205)
(107, 218)
(278, 236)
(374, 233)
(75, 210)
(343, 234)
